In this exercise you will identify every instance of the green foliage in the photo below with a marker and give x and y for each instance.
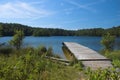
(31, 66)
(9, 28)
(56, 56)
(116, 63)
(49, 52)
(41, 50)
(74, 61)
(17, 39)
(1, 30)
(41, 32)
(114, 55)
(5, 50)
(108, 42)
(100, 74)
(90, 32)
(114, 31)
(76, 64)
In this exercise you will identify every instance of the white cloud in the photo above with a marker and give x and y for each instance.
(80, 5)
(85, 6)
(68, 10)
(39, 2)
(21, 10)
(94, 3)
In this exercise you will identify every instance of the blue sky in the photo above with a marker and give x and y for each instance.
(66, 14)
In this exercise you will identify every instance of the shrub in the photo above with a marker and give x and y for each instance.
(43, 49)
(114, 55)
(17, 39)
(103, 74)
(49, 52)
(108, 42)
(31, 66)
(116, 63)
(6, 50)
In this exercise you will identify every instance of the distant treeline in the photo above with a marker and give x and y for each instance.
(8, 29)
(99, 31)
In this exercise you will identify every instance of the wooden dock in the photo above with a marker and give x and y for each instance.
(89, 57)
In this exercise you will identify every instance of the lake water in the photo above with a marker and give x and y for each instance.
(56, 42)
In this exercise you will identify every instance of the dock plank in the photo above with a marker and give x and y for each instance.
(89, 57)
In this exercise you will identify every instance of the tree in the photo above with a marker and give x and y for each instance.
(17, 39)
(108, 42)
(1, 30)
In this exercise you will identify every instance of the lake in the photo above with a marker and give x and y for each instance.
(56, 42)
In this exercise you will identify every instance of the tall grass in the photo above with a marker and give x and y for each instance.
(114, 55)
(100, 74)
(29, 64)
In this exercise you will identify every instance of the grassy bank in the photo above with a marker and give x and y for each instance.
(115, 57)
(30, 64)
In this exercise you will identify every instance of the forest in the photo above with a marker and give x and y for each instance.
(8, 29)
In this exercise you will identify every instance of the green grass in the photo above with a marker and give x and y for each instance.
(29, 64)
(100, 74)
(114, 55)
(116, 63)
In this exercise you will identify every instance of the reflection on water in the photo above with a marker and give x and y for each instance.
(68, 54)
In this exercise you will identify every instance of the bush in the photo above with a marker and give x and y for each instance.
(100, 74)
(114, 55)
(49, 52)
(116, 63)
(30, 66)
(17, 40)
(41, 50)
(108, 42)
(6, 50)
(76, 64)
